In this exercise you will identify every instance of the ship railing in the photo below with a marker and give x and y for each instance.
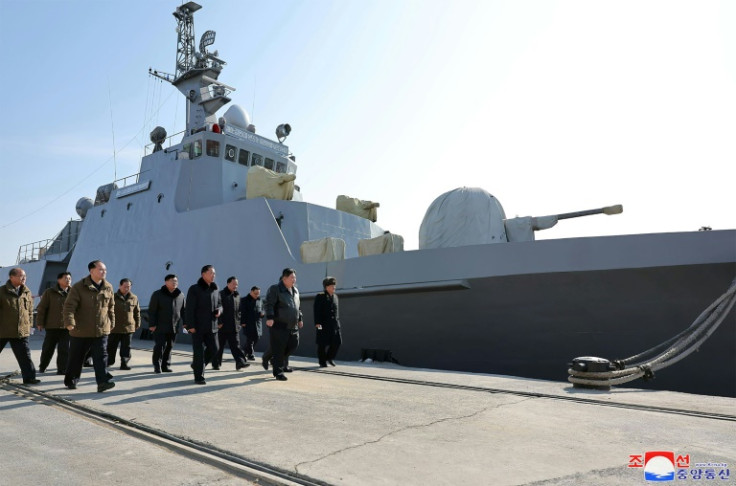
(124, 181)
(63, 242)
(148, 149)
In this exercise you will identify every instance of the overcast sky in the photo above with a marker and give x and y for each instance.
(550, 106)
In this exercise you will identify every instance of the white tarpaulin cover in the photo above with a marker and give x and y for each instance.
(352, 205)
(386, 243)
(266, 183)
(461, 217)
(325, 250)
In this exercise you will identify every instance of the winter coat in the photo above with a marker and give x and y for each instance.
(327, 314)
(16, 311)
(166, 310)
(127, 313)
(203, 304)
(50, 315)
(251, 312)
(230, 316)
(283, 307)
(91, 312)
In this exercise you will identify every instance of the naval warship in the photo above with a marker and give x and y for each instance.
(480, 294)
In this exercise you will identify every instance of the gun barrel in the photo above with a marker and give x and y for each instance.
(616, 209)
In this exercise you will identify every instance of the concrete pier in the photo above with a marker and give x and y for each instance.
(354, 424)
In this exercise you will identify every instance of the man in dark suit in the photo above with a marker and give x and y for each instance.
(228, 330)
(203, 307)
(165, 316)
(251, 315)
(327, 322)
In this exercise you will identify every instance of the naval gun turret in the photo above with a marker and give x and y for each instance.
(472, 216)
(523, 228)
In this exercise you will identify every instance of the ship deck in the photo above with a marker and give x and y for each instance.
(355, 424)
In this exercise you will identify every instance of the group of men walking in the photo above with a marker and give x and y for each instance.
(89, 319)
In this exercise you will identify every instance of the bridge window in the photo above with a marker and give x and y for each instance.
(230, 152)
(243, 157)
(192, 150)
(213, 148)
(269, 164)
(257, 160)
(280, 167)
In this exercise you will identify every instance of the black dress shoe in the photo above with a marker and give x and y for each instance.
(288, 370)
(41, 370)
(250, 357)
(31, 382)
(332, 363)
(157, 370)
(200, 382)
(323, 365)
(105, 386)
(242, 365)
(264, 363)
(281, 377)
(124, 367)
(167, 370)
(72, 386)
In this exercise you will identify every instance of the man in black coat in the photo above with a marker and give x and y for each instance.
(165, 315)
(327, 322)
(251, 313)
(228, 330)
(203, 307)
(284, 318)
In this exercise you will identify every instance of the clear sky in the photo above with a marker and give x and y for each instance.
(550, 106)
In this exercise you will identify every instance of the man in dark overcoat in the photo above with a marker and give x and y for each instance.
(203, 307)
(327, 323)
(228, 329)
(284, 318)
(16, 319)
(251, 314)
(89, 315)
(51, 318)
(165, 318)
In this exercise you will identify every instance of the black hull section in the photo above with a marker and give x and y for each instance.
(533, 325)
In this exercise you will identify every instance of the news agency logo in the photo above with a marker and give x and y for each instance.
(668, 466)
(659, 466)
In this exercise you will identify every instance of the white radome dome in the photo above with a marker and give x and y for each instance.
(236, 116)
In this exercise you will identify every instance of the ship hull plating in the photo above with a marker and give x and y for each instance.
(533, 325)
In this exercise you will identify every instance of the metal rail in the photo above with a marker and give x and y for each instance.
(435, 384)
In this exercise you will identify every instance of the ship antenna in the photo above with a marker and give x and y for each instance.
(253, 106)
(112, 126)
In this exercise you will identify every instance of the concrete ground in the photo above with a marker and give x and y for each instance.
(355, 424)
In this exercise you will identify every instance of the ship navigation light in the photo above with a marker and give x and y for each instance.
(283, 131)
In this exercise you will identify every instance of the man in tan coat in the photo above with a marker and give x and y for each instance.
(16, 317)
(89, 314)
(127, 320)
(51, 318)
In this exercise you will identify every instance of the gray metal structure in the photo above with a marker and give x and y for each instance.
(522, 308)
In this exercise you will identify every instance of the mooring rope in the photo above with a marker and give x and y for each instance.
(675, 348)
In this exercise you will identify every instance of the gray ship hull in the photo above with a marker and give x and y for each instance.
(532, 325)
